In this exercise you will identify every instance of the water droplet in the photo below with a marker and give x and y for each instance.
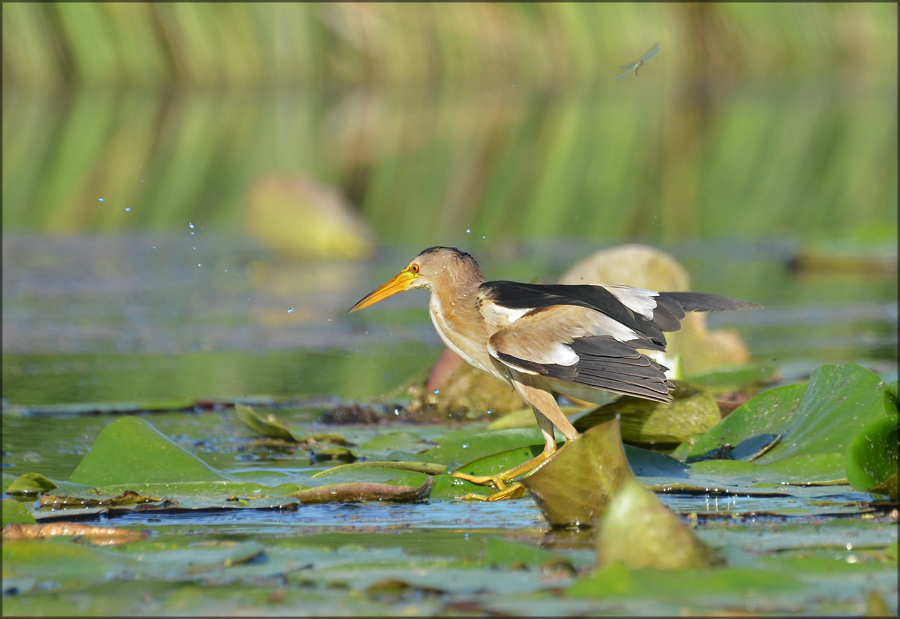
(396, 411)
(127, 209)
(142, 180)
(154, 247)
(465, 445)
(329, 320)
(226, 270)
(195, 247)
(849, 546)
(199, 265)
(99, 199)
(190, 225)
(290, 310)
(468, 231)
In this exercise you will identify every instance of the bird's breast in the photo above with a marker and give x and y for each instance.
(464, 335)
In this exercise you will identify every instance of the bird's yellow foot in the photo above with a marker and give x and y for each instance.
(513, 492)
(501, 480)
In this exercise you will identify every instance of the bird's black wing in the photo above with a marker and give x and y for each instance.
(514, 295)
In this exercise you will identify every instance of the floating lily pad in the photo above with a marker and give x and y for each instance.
(16, 513)
(456, 448)
(872, 458)
(692, 411)
(30, 484)
(738, 377)
(501, 461)
(714, 586)
(502, 551)
(357, 492)
(818, 418)
(524, 418)
(891, 399)
(130, 450)
(641, 532)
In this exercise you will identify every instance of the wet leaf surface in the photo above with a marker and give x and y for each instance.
(131, 450)
(693, 411)
(872, 458)
(641, 532)
(16, 513)
(811, 418)
(574, 487)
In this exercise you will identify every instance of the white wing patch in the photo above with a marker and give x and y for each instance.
(638, 300)
(498, 316)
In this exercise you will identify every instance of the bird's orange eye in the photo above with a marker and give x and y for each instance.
(414, 268)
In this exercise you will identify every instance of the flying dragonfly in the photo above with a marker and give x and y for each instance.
(634, 66)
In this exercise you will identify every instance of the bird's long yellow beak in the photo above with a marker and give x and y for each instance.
(401, 282)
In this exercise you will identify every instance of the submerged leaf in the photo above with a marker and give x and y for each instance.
(357, 492)
(269, 426)
(574, 487)
(692, 411)
(130, 450)
(638, 530)
(872, 458)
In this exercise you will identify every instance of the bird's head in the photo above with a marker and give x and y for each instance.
(444, 267)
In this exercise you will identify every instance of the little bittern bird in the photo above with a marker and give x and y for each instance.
(542, 339)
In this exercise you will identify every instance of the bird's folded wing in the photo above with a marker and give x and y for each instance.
(581, 346)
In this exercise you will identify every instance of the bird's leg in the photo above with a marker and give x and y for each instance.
(548, 415)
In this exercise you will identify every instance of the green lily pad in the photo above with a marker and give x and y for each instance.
(16, 513)
(692, 411)
(31, 483)
(641, 532)
(449, 487)
(175, 495)
(502, 551)
(737, 377)
(396, 441)
(891, 399)
(817, 418)
(269, 426)
(131, 450)
(575, 485)
(456, 448)
(524, 418)
(872, 458)
(501, 461)
(715, 586)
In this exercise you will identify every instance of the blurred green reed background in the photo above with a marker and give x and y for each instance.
(755, 121)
